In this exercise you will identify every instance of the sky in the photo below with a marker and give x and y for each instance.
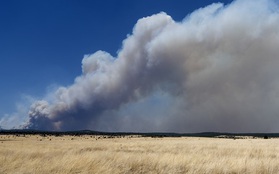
(43, 42)
(51, 62)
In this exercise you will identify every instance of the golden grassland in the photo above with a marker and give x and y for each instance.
(93, 154)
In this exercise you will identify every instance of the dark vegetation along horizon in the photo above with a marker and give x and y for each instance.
(143, 134)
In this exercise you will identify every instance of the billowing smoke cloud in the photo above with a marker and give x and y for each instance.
(217, 70)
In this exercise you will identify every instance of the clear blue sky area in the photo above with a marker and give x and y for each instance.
(42, 42)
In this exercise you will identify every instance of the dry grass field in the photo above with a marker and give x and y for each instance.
(92, 154)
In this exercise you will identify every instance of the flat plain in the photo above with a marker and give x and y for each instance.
(28, 154)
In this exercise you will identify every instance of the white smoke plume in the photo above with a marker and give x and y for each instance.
(217, 70)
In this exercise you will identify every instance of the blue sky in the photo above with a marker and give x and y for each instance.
(43, 42)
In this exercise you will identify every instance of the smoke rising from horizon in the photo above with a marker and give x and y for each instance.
(217, 70)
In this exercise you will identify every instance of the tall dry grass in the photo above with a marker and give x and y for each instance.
(33, 154)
